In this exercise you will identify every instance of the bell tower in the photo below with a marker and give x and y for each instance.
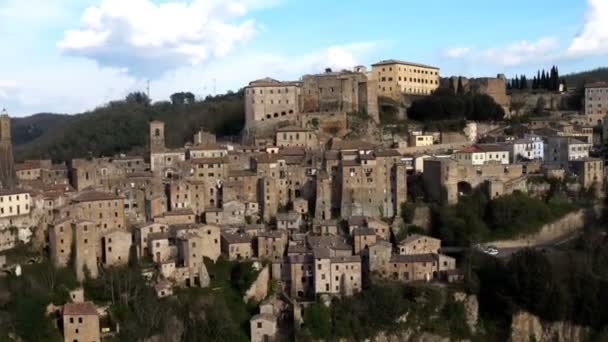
(8, 178)
(157, 136)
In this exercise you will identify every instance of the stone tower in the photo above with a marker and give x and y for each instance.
(157, 136)
(8, 177)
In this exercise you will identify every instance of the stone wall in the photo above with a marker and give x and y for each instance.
(524, 102)
(555, 231)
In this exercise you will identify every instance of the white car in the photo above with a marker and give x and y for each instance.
(491, 250)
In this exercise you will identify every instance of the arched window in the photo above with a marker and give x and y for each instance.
(157, 132)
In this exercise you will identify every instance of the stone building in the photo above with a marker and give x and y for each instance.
(181, 216)
(363, 237)
(8, 178)
(301, 276)
(60, 242)
(378, 256)
(140, 236)
(419, 244)
(236, 246)
(447, 178)
(270, 100)
(107, 211)
(289, 222)
(590, 173)
(337, 275)
(344, 91)
(418, 267)
(85, 249)
(292, 136)
(596, 98)
(198, 242)
(271, 245)
(81, 322)
(116, 248)
(264, 328)
(561, 150)
(163, 161)
(397, 77)
(14, 203)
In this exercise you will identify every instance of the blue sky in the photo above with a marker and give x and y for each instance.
(69, 56)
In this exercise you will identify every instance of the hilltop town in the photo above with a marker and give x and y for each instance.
(388, 200)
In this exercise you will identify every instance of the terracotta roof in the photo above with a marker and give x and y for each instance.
(415, 237)
(270, 82)
(91, 196)
(337, 144)
(13, 192)
(264, 317)
(360, 231)
(413, 258)
(492, 148)
(207, 147)
(345, 259)
(293, 129)
(236, 238)
(241, 173)
(270, 234)
(266, 158)
(396, 61)
(292, 151)
(179, 212)
(213, 160)
(470, 149)
(597, 85)
(80, 309)
(387, 153)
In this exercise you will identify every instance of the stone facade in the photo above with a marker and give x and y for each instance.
(8, 178)
(590, 173)
(596, 98)
(81, 322)
(446, 178)
(419, 244)
(270, 100)
(396, 77)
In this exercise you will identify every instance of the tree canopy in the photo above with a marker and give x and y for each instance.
(445, 105)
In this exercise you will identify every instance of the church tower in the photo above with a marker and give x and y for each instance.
(8, 178)
(157, 136)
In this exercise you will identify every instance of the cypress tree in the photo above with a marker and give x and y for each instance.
(543, 80)
(451, 86)
(460, 86)
(524, 82)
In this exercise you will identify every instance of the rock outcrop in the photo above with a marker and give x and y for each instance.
(526, 327)
(471, 307)
(259, 289)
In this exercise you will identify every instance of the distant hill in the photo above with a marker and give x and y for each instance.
(122, 126)
(580, 78)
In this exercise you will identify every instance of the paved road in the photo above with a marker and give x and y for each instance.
(507, 252)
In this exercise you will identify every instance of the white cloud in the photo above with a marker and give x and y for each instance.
(522, 52)
(149, 39)
(7, 88)
(593, 38)
(237, 71)
(510, 55)
(457, 52)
